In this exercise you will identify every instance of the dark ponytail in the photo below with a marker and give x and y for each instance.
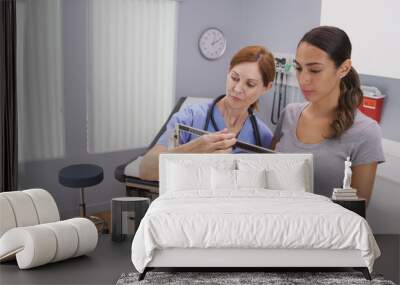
(349, 100)
(337, 45)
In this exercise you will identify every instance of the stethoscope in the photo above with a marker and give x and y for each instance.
(278, 92)
(210, 117)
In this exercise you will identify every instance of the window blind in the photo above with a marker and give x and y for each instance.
(40, 80)
(132, 71)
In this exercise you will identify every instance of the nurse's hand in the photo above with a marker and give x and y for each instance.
(219, 142)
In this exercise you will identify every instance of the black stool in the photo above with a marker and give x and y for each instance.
(81, 176)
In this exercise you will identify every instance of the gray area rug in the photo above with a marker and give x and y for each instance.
(228, 278)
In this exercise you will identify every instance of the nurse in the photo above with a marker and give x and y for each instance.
(328, 124)
(229, 118)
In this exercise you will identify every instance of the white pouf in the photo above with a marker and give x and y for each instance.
(31, 232)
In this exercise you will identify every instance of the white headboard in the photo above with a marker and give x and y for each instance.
(232, 159)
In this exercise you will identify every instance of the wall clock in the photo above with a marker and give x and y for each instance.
(212, 43)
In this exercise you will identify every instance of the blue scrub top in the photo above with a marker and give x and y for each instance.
(195, 116)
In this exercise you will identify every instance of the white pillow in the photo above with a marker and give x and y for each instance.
(251, 178)
(183, 177)
(291, 178)
(227, 179)
(223, 179)
(281, 173)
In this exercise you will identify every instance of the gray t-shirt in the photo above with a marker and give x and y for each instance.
(361, 142)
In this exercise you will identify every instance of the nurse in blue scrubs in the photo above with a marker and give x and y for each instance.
(229, 117)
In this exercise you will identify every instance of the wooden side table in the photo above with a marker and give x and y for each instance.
(137, 205)
(357, 206)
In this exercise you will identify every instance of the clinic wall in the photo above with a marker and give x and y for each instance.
(44, 173)
(196, 76)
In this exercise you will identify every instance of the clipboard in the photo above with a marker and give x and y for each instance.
(239, 144)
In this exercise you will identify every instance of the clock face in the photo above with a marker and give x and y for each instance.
(212, 43)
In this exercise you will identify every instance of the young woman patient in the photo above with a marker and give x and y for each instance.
(228, 117)
(329, 124)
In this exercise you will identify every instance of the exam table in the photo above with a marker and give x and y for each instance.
(145, 188)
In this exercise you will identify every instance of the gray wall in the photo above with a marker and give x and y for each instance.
(276, 24)
(196, 76)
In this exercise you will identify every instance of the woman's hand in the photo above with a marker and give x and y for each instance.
(219, 142)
